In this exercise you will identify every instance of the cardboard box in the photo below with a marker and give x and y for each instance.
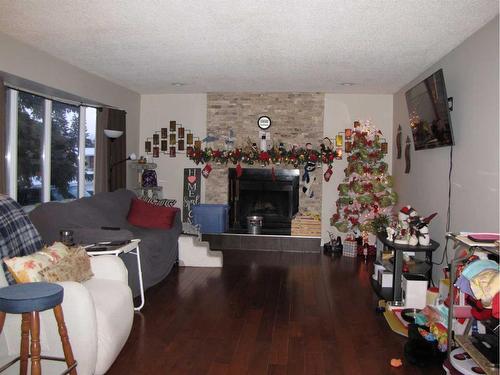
(385, 279)
(306, 225)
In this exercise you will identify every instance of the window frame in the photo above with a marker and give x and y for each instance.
(12, 98)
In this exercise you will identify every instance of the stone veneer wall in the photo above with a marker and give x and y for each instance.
(297, 118)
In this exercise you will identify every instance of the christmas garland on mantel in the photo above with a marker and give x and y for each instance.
(276, 155)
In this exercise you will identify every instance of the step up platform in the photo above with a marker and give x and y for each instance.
(196, 253)
(283, 243)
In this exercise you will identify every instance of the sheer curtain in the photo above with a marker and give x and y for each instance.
(109, 152)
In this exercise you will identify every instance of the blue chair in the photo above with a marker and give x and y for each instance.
(29, 299)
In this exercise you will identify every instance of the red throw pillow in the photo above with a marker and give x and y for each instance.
(146, 215)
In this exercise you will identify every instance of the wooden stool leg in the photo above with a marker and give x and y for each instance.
(63, 332)
(35, 343)
(24, 352)
(2, 320)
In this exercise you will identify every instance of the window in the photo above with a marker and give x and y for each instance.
(51, 149)
(30, 115)
(90, 124)
(64, 152)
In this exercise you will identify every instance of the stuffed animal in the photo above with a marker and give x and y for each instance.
(391, 233)
(307, 187)
(424, 239)
(422, 226)
(413, 241)
(307, 180)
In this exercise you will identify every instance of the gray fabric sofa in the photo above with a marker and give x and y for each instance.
(86, 216)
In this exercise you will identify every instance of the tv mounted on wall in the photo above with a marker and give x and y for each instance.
(430, 120)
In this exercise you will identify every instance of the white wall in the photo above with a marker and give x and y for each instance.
(52, 75)
(471, 76)
(341, 110)
(156, 112)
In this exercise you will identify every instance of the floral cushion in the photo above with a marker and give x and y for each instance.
(73, 267)
(26, 269)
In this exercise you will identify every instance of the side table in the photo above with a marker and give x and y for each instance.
(398, 262)
(132, 248)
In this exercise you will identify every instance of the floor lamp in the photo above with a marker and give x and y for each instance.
(112, 135)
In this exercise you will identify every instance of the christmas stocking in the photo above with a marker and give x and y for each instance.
(328, 173)
(206, 171)
(239, 170)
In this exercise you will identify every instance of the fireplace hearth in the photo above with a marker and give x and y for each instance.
(258, 192)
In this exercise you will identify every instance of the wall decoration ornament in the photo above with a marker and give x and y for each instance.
(156, 152)
(170, 140)
(164, 145)
(264, 122)
(407, 155)
(192, 193)
(348, 147)
(398, 141)
(338, 140)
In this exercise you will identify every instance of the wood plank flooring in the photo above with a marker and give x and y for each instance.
(264, 313)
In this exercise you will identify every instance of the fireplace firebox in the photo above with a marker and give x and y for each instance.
(258, 192)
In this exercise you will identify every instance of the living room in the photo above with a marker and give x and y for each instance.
(210, 92)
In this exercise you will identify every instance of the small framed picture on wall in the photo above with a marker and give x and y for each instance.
(156, 139)
(180, 132)
(147, 146)
(164, 132)
(172, 151)
(164, 145)
(189, 139)
(156, 152)
(180, 145)
(173, 139)
(173, 125)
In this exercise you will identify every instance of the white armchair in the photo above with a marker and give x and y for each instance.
(98, 314)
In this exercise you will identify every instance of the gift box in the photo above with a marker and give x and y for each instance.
(350, 249)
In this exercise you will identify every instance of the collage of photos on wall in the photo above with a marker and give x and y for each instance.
(170, 141)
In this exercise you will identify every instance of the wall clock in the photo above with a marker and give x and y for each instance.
(264, 122)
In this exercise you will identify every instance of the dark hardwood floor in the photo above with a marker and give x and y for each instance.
(264, 313)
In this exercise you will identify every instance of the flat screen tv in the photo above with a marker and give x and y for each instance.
(430, 120)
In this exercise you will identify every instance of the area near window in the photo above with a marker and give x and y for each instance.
(51, 149)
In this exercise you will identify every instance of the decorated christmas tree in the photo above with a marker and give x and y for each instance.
(365, 196)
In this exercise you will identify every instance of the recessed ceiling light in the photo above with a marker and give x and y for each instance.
(178, 84)
(347, 83)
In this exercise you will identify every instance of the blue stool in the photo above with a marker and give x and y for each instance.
(29, 299)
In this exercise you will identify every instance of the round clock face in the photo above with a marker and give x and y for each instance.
(264, 122)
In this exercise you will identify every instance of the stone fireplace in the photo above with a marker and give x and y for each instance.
(259, 192)
(297, 118)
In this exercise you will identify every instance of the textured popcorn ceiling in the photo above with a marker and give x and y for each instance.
(253, 45)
